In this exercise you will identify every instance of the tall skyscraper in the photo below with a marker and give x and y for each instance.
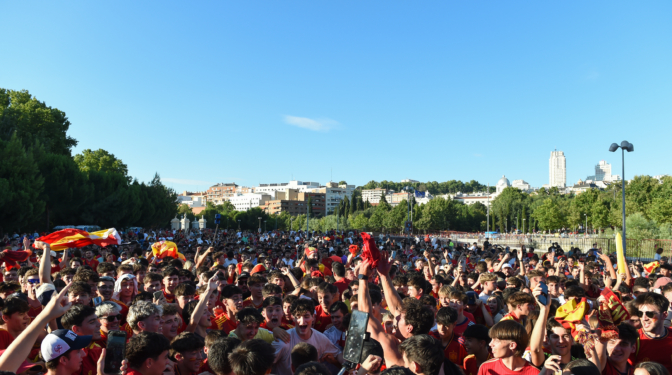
(557, 169)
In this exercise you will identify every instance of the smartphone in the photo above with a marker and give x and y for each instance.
(463, 262)
(354, 341)
(471, 298)
(158, 294)
(97, 301)
(116, 351)
(393, 255)
(542, 298)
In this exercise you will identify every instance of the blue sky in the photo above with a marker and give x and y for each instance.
(266, 91)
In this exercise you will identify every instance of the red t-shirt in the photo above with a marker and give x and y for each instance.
(461, 327)
(6, 338)
(496, 367)
(511, 316)
(342, 285)
(222, 322)
(93, 263)
(656, 350)
(90, 361)
(611, 370)
(455, 351)
(322, 319)
(471, 364)
(249, 303)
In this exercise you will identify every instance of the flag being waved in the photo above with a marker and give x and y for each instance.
(69, 238)
(164, 249)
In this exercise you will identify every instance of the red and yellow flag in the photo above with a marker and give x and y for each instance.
(651, 267)
(164, 249)
(69, 238)
(571, 313)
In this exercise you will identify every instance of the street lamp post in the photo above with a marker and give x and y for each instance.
(625, 146)
(523, 226)
(259, 223)
(585, 229)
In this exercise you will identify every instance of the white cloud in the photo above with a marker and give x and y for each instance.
(318, 125)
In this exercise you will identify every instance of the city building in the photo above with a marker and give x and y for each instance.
(603, 173)
(192, 200)
(373, 195)
(295, 203)
(272, 188)
(219, 193)
(395, 198)
(557, 169)
(521, 185)
(472, 198)
(408, 181)
(334, 194)
(243, 202)
(502, 184)
(582, 186)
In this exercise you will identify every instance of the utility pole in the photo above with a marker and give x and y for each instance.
(487, 221)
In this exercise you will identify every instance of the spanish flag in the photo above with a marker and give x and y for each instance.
(69, 238)
(571, 313)
(164, 249)
(651, 267)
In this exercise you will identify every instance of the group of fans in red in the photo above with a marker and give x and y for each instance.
(280, 303)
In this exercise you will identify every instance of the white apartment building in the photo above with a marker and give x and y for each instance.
(472, 198)
(192, 199)
(557, 169)
(243, 202)
(334, 194)
(373, 195)
(272, 188)
(603, 173)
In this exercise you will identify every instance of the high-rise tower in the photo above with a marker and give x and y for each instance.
(557, 169)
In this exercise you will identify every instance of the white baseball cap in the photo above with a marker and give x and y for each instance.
(60, 341)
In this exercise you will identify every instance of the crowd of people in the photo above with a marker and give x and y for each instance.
(246, 303)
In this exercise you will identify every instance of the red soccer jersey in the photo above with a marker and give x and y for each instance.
(6, 338)
(656, 350)
(511, 316)
(461, 327)
(471, 364)
(223, 323)
(103, 340)
(611, 370)
(455, 351)
(90, 361)
(322, 319)
(93, 263)
(249, 303)
(496, 367)
(342, 285)
(282, 325)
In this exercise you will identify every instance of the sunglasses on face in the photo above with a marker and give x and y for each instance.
(33, 281)
(649, 314)
(112, 318)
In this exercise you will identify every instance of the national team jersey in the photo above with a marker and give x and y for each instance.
(90, 361)
(611, 370)
(471, 364)
(222, 322)
(511, 316)
(322, 319)
(496, 367)
(656, 350)
(249, 303)
(454, 350)
(170, 298)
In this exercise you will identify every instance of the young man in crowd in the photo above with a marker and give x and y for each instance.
(83, 321)
(477, 345)
(186, 350)
(252, 357)
(520, 304)
(232, 297)
(255, 283)
(152, 282)
(271, 310)
(249, 320)
(109, 314)
(147, 354)
(508, 343)
(450, 341)
(655, 341)
(144, 316)
(218, 355)
(325, 297)
(303, 312)
(64, 362)
(171, 279)
(171, 324)
(336, 333)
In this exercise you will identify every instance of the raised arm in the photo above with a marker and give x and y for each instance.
(45, 263)
(202, 303)
(20, 348)
(391, 296)
(537, 337)
(389, 344)
(608, 265)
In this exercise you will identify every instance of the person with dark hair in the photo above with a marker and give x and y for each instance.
(79, 293)
(397, 370)
(184, 293)
(147, 354)
(171, 279)
(186, 350)
(82, 320)
(520, 305)
(650, 368)
(232, 297)
(341, 283)
(423, 356)
(509, 340)
(218, 355)
(14, 320)
(416, 286)
(582, 366)
(252, 357)
(303, 314)
(618, 351)
(312, 368)
(303, 353)
(255, 283)
(62, 352)
(450, 341)
(372, 356)
(271, 310)
(476, 343)
(336, 333)
(655, 341)
(249, 320)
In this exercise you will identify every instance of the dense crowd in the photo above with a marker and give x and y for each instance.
(246, 303)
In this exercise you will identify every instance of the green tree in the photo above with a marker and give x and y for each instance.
(34, 122)
(101, 161)
(20, 186)
(353, 204)
(549, 215)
